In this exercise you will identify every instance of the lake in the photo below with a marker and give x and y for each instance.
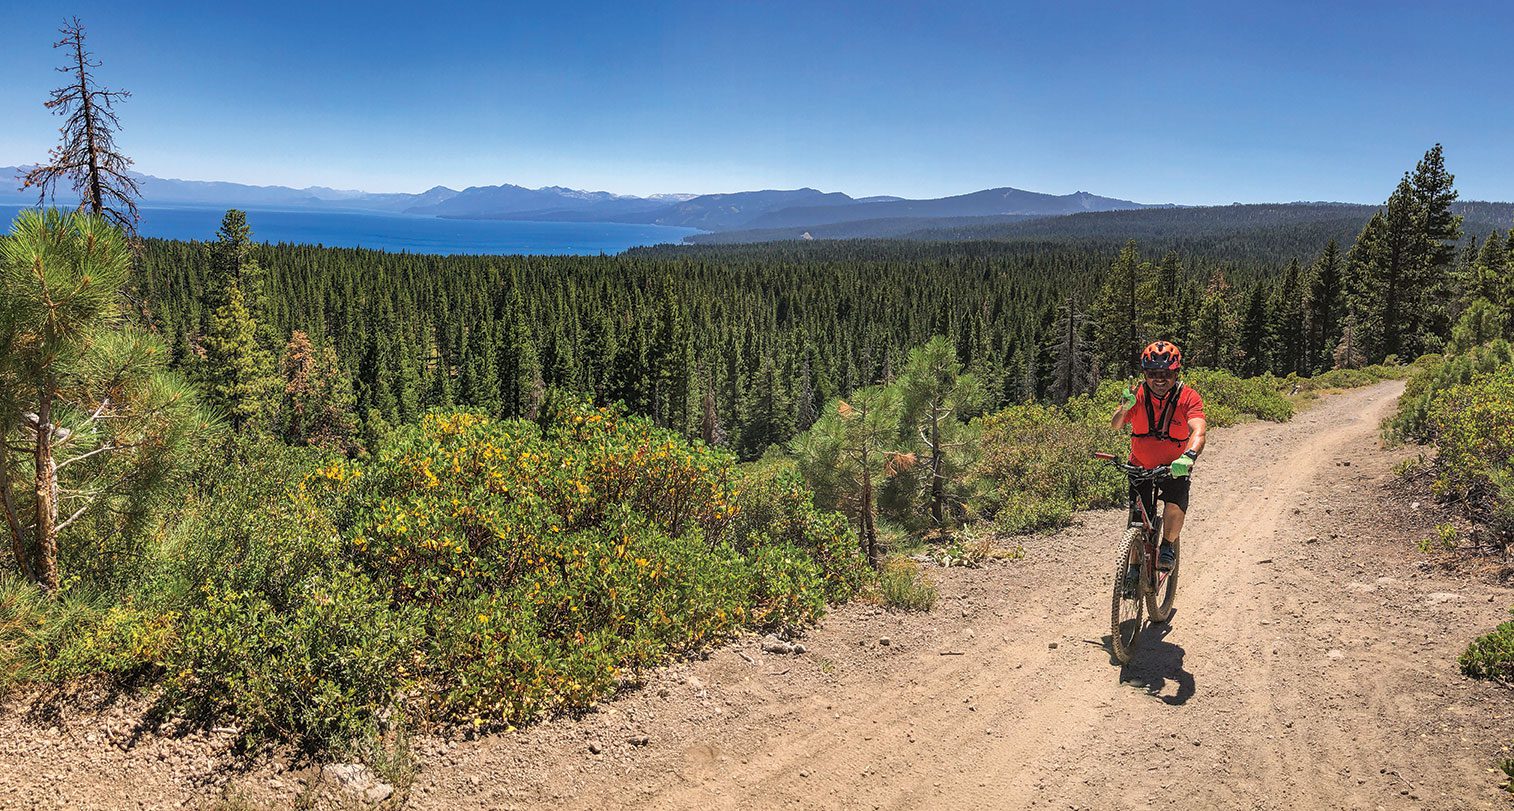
(401, 232)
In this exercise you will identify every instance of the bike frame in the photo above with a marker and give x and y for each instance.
(1152, 579)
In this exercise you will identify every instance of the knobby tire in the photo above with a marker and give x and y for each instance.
(1126, 611)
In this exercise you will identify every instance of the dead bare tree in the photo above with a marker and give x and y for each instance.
(86, 155)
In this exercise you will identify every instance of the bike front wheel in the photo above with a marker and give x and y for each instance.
(1129, 595)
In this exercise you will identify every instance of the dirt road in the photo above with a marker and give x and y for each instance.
(1297, 673)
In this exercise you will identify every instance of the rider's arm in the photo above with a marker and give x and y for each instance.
(1196, 428)
(1122, 414)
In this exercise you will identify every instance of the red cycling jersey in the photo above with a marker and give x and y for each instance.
(1152, 451)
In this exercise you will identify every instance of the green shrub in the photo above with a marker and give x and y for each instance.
(1344, 378)
(775, 507)
(1491, 656)
(487, 572)
(1033, 466)
(1021, 513)
(1228, 398)
(902, 585)
(76, 635)
(318, 674)
(787, 585)
(1435, 375)
(1473, 428)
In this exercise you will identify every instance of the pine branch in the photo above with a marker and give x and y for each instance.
(102, 449)
(72, 518)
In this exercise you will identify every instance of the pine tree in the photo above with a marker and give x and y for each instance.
(87, 157)
(89, 414)
(1214, 337)
(376, 377)
(766, 418)
(1168, 322)
(1395, 267)
(850, 453)
(669, 359)
(1348, 354)
(709, 423)
(937, 399)
(1287, 332)
(236, 372)
(1482, 322)
(1256, 354)
(1398, 272)
(238, 368)
(1028, 365)
(1439, 231)
(1363, 289)
(1322, 308)
(1124, 312)
(1071, 363)
(805, 412)
(319, 404)
(1488, 277)
(480, 378)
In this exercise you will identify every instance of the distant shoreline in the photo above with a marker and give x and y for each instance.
(395, 232)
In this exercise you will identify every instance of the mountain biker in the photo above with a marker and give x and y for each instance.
(1166, 420)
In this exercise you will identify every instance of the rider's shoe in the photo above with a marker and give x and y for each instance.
(1167, 557)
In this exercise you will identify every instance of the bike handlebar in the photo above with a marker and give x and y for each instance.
(1135, 471)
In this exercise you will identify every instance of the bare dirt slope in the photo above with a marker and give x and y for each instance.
(1311, 664)
(1296, 674)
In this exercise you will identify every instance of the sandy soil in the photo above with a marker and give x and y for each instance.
(1311, 664)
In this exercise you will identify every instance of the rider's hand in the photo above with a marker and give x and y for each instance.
(1128, 398)
(1183, 465)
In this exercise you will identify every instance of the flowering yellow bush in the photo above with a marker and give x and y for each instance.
(486, 572)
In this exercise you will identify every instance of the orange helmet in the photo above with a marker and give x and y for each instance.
(1161, 356)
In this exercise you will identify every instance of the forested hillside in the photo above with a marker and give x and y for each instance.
(744, 344)
(1241, 232)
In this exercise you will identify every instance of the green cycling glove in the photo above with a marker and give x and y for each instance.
(1183, 465)
(1128, 398)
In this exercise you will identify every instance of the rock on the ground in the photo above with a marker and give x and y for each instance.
(360, 780)
(772, 644)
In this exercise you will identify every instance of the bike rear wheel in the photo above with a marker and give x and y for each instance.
(1159, 602)
(1129, 595)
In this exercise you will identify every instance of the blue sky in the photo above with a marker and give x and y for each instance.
(1156, 102)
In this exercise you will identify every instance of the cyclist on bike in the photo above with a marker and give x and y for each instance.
(1166, 420)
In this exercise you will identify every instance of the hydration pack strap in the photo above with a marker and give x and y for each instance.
(1157, 425)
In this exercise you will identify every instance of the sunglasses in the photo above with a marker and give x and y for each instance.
(1161, 375)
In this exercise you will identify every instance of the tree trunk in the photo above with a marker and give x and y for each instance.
(12, 518)
(937, 481)
(47, 494)
(96, 197)
(869, 531)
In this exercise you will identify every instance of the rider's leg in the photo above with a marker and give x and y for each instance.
(1172, 522)
(1175, 506)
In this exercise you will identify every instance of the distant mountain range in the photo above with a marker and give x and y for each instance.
(746, 211)
(797, 214)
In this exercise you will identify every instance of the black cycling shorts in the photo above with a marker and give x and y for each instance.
(1172, 491)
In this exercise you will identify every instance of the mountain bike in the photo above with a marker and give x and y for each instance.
(1138, 584)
